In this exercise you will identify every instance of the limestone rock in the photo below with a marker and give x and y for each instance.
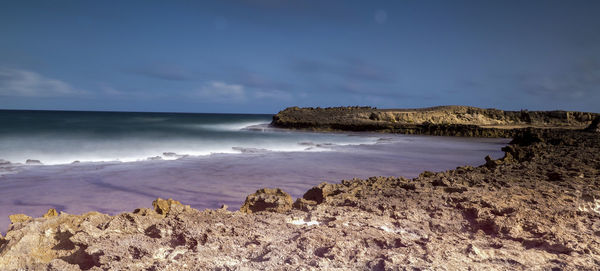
(594, 126)
(439, 120)
(163, 207)
(320, 192)
(19, 218)
(51, 213)
(491, 163)
(304, 204)
(269, 200)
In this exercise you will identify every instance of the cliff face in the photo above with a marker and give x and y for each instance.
(537, 208)
(442, 120)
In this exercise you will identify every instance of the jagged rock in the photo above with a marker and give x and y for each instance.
(269, 200)
(60, 265)
(320, 192)
(594, 126)
(554, 176)
(146, 212)
(19, 218)
(304, 204)
(51, 213)
(163, 207)
(491, 163)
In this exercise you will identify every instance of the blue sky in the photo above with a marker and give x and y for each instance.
(261, 56)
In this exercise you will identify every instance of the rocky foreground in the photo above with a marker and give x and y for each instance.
(537, 208)
(440, 120)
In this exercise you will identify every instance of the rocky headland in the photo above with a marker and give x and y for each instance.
(536, 208)
(440, 120)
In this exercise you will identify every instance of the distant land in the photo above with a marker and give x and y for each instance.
(440, 120)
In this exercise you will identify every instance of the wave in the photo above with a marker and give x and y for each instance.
(64, 137)
(67, 149)
(237, 126)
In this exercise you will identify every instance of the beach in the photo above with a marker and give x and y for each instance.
(534, 204)
(254, 158)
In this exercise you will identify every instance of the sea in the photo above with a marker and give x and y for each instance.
(111, 162)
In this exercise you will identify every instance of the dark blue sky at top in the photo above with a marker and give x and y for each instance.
(262, 56)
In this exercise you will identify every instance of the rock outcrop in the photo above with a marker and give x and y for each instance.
(33, 162)
(267, 200)
(536, 208)
(594, 126)
(441, 120)
(163, 207)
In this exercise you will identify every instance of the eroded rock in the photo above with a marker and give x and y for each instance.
(269, 200)
(19, 218)
(163, 207)
(439, 120)
(51, 213)
(594, 126)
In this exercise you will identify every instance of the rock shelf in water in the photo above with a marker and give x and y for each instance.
(538, 207)
(440, 120)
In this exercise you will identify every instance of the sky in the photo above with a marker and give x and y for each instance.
(260, 56)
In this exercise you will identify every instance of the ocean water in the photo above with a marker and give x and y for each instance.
(61, 137)
(204, 160)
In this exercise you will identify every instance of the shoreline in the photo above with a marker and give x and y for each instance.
(535, 207)
(239, 148)
(208, 182)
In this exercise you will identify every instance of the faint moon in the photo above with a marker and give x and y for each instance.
(380, 16)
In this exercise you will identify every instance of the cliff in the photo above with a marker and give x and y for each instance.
(441, 120)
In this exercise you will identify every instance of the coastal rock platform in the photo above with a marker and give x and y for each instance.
(439, 120)
(538, 207)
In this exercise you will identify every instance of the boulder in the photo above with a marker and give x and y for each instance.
(268, 200)
(51, 213)
(491, 163)
(18, 218)
(163, 207)
(595, 126)
(320, 192)
(304, 204)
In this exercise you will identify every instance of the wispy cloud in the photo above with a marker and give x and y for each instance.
(228, 93)
(24, 83)
(110, 91)
(272, 94)
(218, 91)
(256, 80)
